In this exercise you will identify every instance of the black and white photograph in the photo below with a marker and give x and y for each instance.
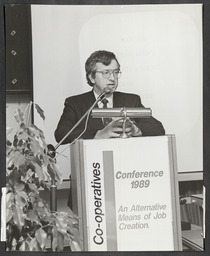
(104, 128)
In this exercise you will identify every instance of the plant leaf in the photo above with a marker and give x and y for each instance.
(22, 135)
(60, 239)
(18, 159)
(32, 215)
(35, 147)
(9, 199)
(74, 246)
(51, 171)
(39, 172)
(21, 202)
(55, 172)
(24, 246)
(14, 242)
(33, 188)
(23, 195)
(47, 176)
(41, 237)
(33, 245)
(42, 209)
(18, 217)
(40, 111)
(27, 113)
(19, 187)
(36, 132)
(19, 116)
(8, 215)
(55, 238)
(61, 225)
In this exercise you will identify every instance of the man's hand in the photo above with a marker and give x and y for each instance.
(115, 128)
(112, 130)
(131, 129)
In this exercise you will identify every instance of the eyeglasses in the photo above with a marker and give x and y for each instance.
(107, 73)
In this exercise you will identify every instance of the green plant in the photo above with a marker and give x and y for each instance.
(31, 226)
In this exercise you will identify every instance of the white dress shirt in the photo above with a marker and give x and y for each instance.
(109, 103)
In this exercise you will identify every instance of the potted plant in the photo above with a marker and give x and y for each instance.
(30, 225)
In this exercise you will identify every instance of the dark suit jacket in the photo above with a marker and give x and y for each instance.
(76, 106)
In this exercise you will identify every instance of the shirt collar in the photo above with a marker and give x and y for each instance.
(110, 100)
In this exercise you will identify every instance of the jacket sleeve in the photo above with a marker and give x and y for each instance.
(148, 126)
(71, 115)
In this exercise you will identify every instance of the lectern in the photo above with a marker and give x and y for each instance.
(125, 192)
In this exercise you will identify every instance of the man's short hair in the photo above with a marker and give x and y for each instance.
(103, 57)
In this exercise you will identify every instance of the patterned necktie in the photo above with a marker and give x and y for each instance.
(106, 120)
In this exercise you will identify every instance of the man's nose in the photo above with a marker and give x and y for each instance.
(112, 76)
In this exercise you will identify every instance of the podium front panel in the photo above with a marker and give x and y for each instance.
(127, 194)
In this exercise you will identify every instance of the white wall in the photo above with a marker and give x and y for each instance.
(159, 48)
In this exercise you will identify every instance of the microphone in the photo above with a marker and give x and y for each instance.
(105, 91)
(100, 98)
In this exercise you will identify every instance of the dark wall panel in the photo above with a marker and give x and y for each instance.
(18, 48)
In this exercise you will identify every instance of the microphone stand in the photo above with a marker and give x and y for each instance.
(52, 152)
(52, 149)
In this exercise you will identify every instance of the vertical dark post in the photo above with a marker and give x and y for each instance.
(53, 201)
(53, 196)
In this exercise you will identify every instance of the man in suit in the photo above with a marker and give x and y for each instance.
(102, 73)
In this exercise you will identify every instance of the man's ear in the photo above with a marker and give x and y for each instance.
(92, 79)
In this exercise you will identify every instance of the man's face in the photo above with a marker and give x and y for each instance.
(106, 79)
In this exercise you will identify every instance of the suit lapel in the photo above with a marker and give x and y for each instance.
(90, 99)
(94, 122)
